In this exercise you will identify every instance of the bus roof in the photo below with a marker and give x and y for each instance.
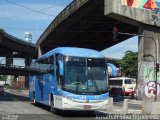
(73, 51)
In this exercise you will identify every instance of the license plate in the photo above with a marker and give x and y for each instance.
(87, 106)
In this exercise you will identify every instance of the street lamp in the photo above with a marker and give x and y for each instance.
(156, 64)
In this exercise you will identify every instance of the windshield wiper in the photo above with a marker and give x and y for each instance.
(97, 90)
(77, 86)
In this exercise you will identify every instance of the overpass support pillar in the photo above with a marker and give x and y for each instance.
(40, 51)
(148, 55)
(9, 60)
(28, 61)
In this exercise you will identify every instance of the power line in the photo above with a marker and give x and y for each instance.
(27, 13)
(84, 21)
(28, 8)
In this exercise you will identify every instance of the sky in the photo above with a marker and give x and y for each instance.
(118, 51)
(16, 19)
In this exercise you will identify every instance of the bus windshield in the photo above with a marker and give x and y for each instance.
(85, 75)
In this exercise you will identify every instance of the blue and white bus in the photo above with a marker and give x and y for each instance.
(72, 79)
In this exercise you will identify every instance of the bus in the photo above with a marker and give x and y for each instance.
(70, 79)
(122, 86)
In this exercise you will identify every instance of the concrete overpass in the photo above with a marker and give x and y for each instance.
(83, 23)
(15, 46)
(12, 47)
(89, 24)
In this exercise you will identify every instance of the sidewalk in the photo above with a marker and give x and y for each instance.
(26, 92)
(18, 92)
(125, 109)
(119, 110)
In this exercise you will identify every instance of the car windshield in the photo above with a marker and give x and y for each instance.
(117, 82)
(85, 75)
(128, 81)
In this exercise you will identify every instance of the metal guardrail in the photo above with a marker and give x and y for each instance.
(11, 66)
(23, 68)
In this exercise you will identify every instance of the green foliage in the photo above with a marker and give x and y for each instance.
(129, 64)
(2, 78)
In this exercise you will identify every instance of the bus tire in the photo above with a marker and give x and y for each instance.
(52, 109)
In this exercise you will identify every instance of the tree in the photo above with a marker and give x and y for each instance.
(129, 64)
(3, 78)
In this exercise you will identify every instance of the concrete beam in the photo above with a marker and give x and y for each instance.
(134, 16)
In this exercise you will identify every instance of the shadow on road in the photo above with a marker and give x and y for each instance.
(71, 114)
(119, 98)
(12, 97)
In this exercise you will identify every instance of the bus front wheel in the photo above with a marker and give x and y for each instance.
(53, 109)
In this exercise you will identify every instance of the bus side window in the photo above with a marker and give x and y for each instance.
(50, 64)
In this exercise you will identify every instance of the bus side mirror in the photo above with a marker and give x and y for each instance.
(60, 67)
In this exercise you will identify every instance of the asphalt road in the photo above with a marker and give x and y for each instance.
(118, 102)
(16, 104)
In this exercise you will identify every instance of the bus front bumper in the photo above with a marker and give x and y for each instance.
(68, 104)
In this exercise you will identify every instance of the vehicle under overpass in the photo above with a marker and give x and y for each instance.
(89, 24)
(12, 47)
